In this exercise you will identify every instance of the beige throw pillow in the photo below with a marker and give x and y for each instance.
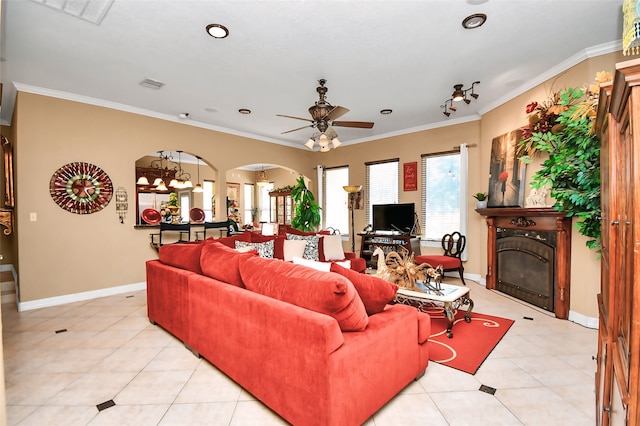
(293, 248)
(332, 247)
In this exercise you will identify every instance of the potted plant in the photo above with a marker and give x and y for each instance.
(306, 210)
(481, 198)
(562, 129)
(173, 206)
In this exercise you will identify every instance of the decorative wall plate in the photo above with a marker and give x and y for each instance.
(81, 188)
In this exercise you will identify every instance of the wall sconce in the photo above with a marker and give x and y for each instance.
(459, 94)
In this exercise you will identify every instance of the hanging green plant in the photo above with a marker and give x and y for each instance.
(563, 128)
(306, 210)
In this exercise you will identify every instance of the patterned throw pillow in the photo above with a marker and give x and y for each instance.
(311, 250)
(264, 249)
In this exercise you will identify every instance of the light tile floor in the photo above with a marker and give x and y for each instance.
(542, 370)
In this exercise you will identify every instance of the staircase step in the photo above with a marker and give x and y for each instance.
(6, 276)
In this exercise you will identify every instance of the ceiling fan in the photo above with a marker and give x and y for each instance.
(323, 115)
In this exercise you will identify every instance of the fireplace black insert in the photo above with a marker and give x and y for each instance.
(526, 265)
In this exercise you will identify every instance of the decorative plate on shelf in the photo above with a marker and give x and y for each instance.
(81, 188)
(196, 215)
(151, 216)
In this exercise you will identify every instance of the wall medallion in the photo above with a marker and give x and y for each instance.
(81, 188)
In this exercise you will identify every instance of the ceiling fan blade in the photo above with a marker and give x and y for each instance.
(295, 130)
(291, 116)
(359, 124)
(336, 112)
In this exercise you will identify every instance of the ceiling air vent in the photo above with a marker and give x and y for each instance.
(89, 10)
(151, 83)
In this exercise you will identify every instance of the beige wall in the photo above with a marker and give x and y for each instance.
(64, 253)
(89, 252)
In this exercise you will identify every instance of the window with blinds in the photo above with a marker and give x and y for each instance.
(381, 184)
(440, 194)
(336, 210)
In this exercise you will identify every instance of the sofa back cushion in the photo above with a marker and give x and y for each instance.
(222, 263)
(374, 292)
(322, 292)
(182, 255)
(231, 241)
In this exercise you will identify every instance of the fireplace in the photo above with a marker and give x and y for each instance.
(526, 265)
(529, 256)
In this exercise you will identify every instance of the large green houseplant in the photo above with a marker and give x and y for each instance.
(563, 127)
(306, 215)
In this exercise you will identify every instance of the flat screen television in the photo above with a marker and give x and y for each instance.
(394, 217)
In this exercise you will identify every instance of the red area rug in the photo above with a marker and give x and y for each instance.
(471, 343)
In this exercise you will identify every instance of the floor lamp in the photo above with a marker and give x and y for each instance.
(352, 190)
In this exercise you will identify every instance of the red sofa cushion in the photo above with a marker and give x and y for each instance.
(182, 255)
(322, 292)
(374, 292)
(222, 263)
(231, 241)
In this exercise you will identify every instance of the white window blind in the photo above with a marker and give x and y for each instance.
(381, 184)
(441, 180)
(336, 209)
(207, 200)
(264, 202)
(248, 203)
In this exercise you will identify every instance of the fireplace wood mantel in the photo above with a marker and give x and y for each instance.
(534, 219)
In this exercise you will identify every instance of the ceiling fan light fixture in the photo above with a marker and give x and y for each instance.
(325, 148)
(217, 31)
(323, 141)
(310, 143)
(336, 142)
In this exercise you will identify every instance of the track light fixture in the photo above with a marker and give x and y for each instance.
(459, 94)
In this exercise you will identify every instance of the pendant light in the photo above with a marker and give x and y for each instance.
(198, 187)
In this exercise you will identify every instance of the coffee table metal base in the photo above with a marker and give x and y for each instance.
(451, 297)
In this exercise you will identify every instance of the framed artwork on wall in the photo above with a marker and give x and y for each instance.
(506, 172)
(410, 176)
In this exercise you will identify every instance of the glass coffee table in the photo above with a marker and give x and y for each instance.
(451, 297)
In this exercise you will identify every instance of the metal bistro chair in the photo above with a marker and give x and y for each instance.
(181, 228)
(222, 226)
(453, 245)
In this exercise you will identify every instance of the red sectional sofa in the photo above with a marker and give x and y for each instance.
(319, 348)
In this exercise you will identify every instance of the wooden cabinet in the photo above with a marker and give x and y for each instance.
(281, 207)
(387, 243)
(618, 362)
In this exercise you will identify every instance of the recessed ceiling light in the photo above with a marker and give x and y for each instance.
(386, 111)
(217, 31)
(183, 115)
(474, 21)
(244, 111)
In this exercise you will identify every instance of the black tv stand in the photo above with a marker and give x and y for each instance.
(387, 242)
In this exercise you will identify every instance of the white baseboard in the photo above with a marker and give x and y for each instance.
(583, 320)
(78, 297)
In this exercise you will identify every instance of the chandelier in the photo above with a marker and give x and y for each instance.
(162, 168)
(459, 94)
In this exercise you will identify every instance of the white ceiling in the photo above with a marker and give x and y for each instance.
(403, 55)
